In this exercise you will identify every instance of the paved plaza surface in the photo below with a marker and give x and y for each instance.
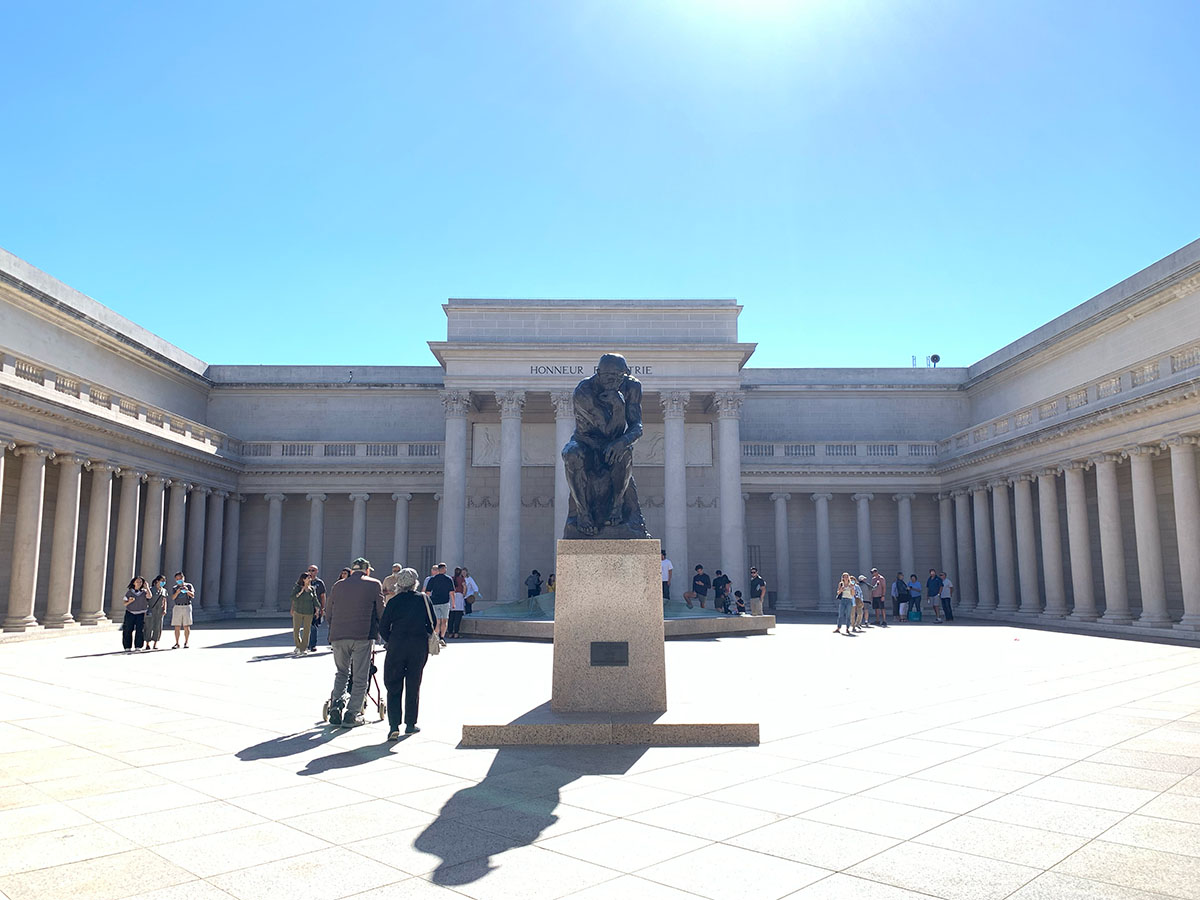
(957, 761)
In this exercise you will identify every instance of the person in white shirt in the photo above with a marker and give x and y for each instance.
(947, 596)
(667, 568)
(472, 591)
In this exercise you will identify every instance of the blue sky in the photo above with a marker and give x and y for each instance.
(301, 182)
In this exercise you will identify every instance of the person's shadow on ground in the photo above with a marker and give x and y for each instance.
(289, 744)
(512, 806)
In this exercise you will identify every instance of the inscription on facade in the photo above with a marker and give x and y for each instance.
(570, 369)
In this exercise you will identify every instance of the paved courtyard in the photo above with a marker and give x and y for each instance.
(966, 761)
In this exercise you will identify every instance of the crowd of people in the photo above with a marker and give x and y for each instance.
(910, 600)
(146, 607)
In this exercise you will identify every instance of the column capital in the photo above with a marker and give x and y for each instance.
(7, 443)
(1147, 450)
(319, 498)
(437, 498)
(944, 495)
(899, 497)
(1073, 464)
(355, 498)
(960, 492)
(979, 487)
(156, 477)
(1024, 476)
(817, 497)
(237, 498)
(33, 450)
(780, 498)
(1101, 458)
(859, 498)
(729, 404)
(135, 474)
(674, 403)
(745, 496)
(221, 495)
(511, 403)
(201, 489)
(1180, 440)
(102, 467)
(70, 459)
(564, 404)
(398, 497)
(275, 498)
(1049, 472)
(998, 483)
(456, 403)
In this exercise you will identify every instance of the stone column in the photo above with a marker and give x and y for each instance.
(729, 449)
(176, 511)
(1006, 579)
(65, 542)
(152, 526)
(564, 427)
(27, 538)
(214, 537)
(1112, 542)
(904, 519)
(508, 560)
(964, 580)
(316, 528)
(674, 404)
(1027, 563)
(946, 536)
(863, 516)
(270, 599)
(95, 547)
(229, 554)
(194, 564)
(783, 553)
(1079, 542)
(358, 526)
(451, 542)
(126, 543)
(824, 552)
(437, 529)
(400, 532)
(1052, 568)
(985, 573)
(1149, 541)
(1187, 525)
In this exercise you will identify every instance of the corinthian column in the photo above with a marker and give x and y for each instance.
(946, 535)
(783, 553)
(1027, 564)
(176, 518)
(965, 582)
(229, 554)
(400, 531)
(824, 552)
(674, 404)
(1187, 525)
(508, 563)
(95, 547)
(904, 520)
(986, 572)
(127, 516)
(358, 525)
(1052, 567)
(452, 524)
(1080, 543)
(316, 528)
(564, 427)
(65, 542)
(270, 600)
(213, 548)
(1112, 542)
(152, 526)
(863, 504)
(197, 508)
(27, 538)
(1002, 525)
(1149, 540)
(729, 449)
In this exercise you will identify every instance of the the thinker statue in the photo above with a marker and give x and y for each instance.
(599, 456)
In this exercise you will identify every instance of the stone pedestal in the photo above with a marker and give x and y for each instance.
(608, 647)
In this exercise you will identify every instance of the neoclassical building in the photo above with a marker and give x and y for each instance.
(1055, 479)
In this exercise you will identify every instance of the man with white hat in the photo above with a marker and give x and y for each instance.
(354, 611)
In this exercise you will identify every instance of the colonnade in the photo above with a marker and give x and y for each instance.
(209, 558)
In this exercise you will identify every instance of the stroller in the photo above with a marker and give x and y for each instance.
(373, 696)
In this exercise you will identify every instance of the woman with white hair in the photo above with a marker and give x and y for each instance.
(407, 622)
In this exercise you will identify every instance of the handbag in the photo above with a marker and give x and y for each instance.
(435, 643)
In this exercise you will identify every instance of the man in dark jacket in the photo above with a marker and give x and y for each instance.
(354, 609)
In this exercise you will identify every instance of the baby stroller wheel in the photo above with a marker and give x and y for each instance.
(325, 712)
(382, 710)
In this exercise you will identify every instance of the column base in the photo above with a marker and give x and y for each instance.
(1007, 610)
(61, 620)
(984, 610)
(1084, 617)
(1030, 613)
(1116, 618)
(1055, 613)
(93, 618)
(19, 623)
(1153, 620)
(1189, 622)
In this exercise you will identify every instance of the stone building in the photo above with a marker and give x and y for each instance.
(1055, 478)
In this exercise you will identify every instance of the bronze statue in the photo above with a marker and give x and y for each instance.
(599, 456)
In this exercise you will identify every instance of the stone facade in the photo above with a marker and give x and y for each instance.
(1056, 478)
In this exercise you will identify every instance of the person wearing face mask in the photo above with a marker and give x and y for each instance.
(182, 595)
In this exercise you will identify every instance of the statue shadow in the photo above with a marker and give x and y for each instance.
(512, 806)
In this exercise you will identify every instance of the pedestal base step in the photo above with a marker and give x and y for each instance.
(557, 729)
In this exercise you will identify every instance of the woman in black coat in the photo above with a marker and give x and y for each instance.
(406, 625)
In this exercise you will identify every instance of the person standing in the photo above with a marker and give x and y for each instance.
(304, 607)
(551, 584)
(440, 586)
(407, 622)
(758, 592)
(933, 593)
(899, 598)
(155, 611)
(914, 597)
(947, 596)
(137, 600)
(667, 569)
(845, 598)
(355, 606)
(859, 614)
(533, 584)
(182, 595)
(878, 586)
(458, 602)
(700, 586)
(389, 583)
(472, 592)
(720, 585)
(319, 616)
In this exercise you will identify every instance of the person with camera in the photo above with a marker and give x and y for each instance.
(182, 595)
(355, 608)
(318, 616)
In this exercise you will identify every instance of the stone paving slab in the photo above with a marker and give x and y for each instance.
(1005, 762)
